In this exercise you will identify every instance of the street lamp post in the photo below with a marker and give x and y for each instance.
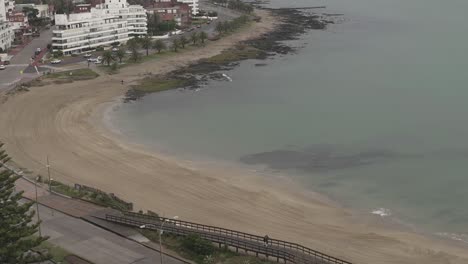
(48, 173)
(160, 234)
(37, 208)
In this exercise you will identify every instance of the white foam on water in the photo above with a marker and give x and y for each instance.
(227, 77)
(453, 236)
(381, 212)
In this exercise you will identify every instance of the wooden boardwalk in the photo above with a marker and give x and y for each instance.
(276, 249)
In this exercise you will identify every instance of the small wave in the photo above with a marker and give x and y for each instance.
(453, 236)
(381, 212)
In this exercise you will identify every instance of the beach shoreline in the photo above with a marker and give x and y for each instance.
(66, 123)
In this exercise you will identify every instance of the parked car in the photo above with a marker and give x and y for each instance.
(55, 61)
(114, 49)
(87, 55)
(99, 58)
(92, 59)
(98, 62)
(6, 62)
(2, 67)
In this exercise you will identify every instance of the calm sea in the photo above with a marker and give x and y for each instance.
(372, 112)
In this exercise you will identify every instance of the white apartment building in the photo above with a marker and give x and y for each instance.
(2, 10)
(192, 3)
(115, 21)
(135, 15)
(6, 32)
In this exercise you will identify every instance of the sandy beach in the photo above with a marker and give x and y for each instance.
(65, 122)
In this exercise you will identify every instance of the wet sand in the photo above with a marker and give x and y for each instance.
(66, 123)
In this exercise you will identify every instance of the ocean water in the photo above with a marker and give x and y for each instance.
(372, 112)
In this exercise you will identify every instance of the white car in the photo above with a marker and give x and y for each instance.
(87, 55)
(92, 59)
(99, 58)
(98, 62)
(2, 67)
(115, 49)
(56, 61)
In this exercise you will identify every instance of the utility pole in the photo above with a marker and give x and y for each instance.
(37, 209)
(48, 173)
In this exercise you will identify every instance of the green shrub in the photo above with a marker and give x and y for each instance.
(57, 53)
(197, 245)
(114, 66)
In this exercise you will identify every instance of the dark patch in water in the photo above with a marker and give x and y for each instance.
(319, 158)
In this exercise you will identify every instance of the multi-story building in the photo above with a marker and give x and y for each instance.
(9, 5)
(179, 12)
(6, 32)
(18, 20)
(115, 21)
(43, 10)
(192, 3)
(2, 10)
(135, 15)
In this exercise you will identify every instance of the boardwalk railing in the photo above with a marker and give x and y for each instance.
(287, 251)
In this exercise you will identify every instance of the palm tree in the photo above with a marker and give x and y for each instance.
(194, 37)
(203, 36)
(107, 57)
(159, 45)
(146, 43)
(175, 44)
(120, 54)
(183, 41)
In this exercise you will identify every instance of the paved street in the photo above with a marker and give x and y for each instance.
(21, 60)
(93, 243)
(85, 239)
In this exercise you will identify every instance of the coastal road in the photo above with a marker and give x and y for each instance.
(93, 243)
(21, 61)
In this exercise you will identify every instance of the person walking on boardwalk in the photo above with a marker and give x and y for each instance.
(266, 240)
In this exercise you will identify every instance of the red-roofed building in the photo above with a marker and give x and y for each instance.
(171, 10)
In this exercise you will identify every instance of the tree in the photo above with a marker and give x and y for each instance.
(159, 45)
(133, 44)
(16, 221)
(120, 54)
(107, 57)
(135, 55)
(146, 43)
(183, 41)
(175, 44)
(203, 36)
(220, 27)
(195, 38)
